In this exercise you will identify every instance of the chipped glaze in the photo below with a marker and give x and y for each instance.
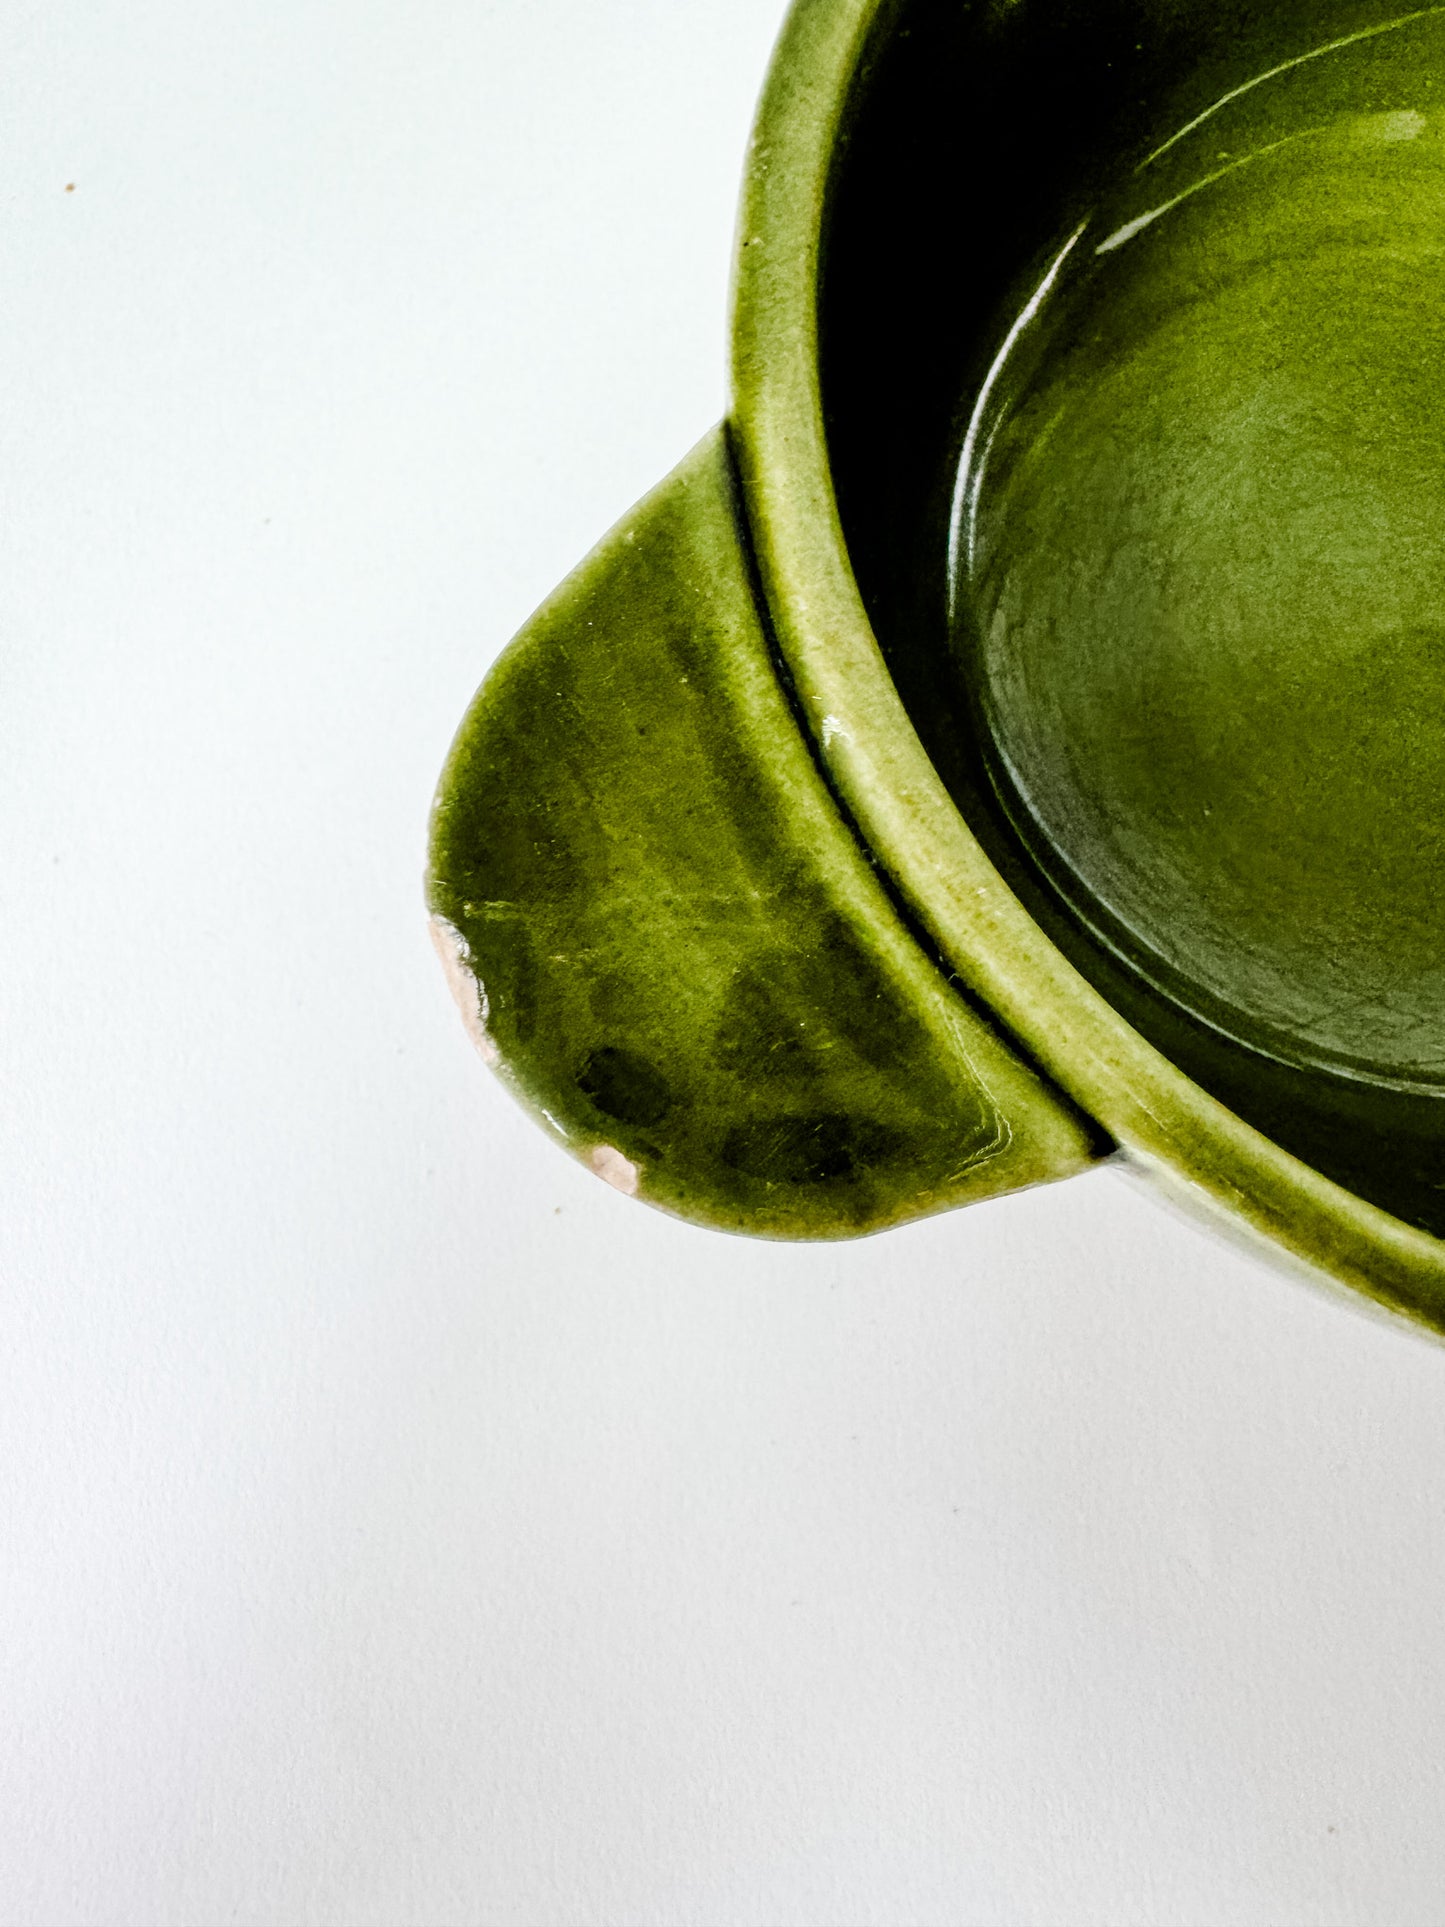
(745, 921)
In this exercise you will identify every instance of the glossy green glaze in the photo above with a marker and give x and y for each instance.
(917, 165)
(1199, 565)
(659, 925)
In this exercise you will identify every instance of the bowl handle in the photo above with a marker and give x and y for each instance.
(665, 936)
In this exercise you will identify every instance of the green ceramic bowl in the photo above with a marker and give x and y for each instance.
(1016, 736)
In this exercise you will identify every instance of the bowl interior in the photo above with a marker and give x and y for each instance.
(1185, 686)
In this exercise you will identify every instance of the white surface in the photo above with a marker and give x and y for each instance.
(399, 1527)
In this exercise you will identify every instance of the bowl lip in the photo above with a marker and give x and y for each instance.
(875, 762)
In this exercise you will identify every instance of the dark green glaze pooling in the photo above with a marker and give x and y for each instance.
(684, 961)
(912, 164)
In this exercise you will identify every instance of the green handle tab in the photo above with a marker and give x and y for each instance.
(665, 936)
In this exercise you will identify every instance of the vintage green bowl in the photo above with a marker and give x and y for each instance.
(795, 907)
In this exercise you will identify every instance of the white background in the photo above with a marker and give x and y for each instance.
(397, 1526)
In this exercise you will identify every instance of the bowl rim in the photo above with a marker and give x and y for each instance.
(877, 766)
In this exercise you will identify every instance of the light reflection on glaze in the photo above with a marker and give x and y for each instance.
(1197, 562)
